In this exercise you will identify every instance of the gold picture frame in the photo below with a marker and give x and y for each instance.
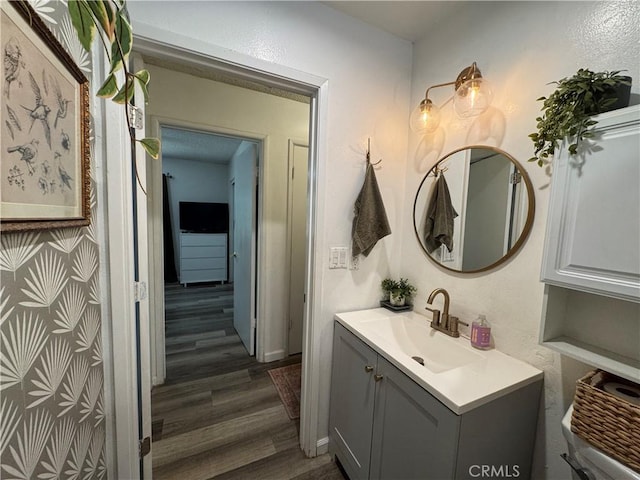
(44, 139)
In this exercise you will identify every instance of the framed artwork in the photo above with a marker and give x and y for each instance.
(44, 139)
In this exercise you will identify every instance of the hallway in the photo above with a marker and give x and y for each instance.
(219, 415)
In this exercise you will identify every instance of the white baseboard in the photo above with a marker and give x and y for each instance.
(156, 381)
(273, 356)
(322, 446)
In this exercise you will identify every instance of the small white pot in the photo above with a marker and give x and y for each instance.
(397, 301)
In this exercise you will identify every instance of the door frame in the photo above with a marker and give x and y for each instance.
(123, 386)
(292, 144)
(156, 249)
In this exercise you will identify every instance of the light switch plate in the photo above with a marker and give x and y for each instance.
(338, 257)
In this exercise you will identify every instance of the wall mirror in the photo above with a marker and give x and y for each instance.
(493, 197)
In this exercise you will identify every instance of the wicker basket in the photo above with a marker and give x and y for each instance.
(607, 421)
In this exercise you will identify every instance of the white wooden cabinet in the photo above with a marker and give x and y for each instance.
(203, 257)
(593, 229)
(591, 262)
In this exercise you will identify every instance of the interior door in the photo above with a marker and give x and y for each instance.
(298, 173)
(486, 211)
(244, 197)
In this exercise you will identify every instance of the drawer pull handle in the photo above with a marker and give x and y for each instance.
(368, 368)
(378, 377)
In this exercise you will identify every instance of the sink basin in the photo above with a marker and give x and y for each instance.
(415, 338)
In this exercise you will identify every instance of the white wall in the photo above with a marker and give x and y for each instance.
(193, 181)
(520, 47)
(368, 74)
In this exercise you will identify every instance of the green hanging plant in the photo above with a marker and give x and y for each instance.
(568, 110)
(108, 19)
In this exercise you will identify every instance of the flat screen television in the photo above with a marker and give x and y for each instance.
(204, 217)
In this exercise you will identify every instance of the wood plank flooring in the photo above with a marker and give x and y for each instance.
(219, 415)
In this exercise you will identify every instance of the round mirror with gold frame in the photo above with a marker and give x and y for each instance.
(486, 216)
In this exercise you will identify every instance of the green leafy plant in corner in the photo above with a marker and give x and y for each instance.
(568, 110)
(107, 20)
(398, 288)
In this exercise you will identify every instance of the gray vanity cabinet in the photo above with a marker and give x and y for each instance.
(352, 395)
(384, 426)
(414, 435)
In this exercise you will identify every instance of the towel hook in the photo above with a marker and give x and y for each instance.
(369, 154)
(438, 171)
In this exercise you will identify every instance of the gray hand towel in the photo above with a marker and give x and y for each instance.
(370, 223)
(440, 215)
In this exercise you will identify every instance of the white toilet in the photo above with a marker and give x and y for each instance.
(590, 463)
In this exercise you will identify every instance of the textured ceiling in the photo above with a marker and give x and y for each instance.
(182, 144)
(410, 20)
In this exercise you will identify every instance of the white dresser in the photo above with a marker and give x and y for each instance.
(203, 257)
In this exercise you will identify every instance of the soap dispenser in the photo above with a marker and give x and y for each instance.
(481, 333)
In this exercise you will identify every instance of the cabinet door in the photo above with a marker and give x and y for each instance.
(352, 402)
(593, 230)
(414, 435)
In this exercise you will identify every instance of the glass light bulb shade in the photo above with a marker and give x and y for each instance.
(472, 98)
(425, 118)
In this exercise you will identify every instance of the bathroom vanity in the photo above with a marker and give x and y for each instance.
(410, 402)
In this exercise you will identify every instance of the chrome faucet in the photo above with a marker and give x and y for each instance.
(444, 323)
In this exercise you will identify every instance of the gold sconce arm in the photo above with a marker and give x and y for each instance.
(472, 97)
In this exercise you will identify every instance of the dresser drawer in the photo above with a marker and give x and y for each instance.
(203, 239)
(202, 252)
(203, 263)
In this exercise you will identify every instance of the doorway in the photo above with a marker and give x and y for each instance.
(316, 89)
(209, 214)
(265, 247)
(272, 121)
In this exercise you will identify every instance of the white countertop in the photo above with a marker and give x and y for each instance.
(488, 375)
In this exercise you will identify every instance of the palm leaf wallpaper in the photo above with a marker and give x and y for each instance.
(52, 420)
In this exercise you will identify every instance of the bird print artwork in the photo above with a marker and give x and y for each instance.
(13, 118)
(15, 177)
(13, 65)
(12, 122)
(40, 112)
(65, 141)
(63, 103)
(65, 178)
(44, 111)
(28, 152)
(47, 182)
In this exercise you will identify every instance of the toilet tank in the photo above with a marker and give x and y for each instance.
(589, 463)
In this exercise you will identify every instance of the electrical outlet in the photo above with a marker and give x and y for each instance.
(354, 263)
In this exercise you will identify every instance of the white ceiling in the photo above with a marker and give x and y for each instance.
(183, 144)
(409, 20)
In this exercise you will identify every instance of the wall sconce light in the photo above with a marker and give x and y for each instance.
(472, 97)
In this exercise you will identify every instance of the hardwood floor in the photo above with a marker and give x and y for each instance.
(219, 415)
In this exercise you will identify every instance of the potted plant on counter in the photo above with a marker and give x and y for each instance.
(568, 110)
(399, 292)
